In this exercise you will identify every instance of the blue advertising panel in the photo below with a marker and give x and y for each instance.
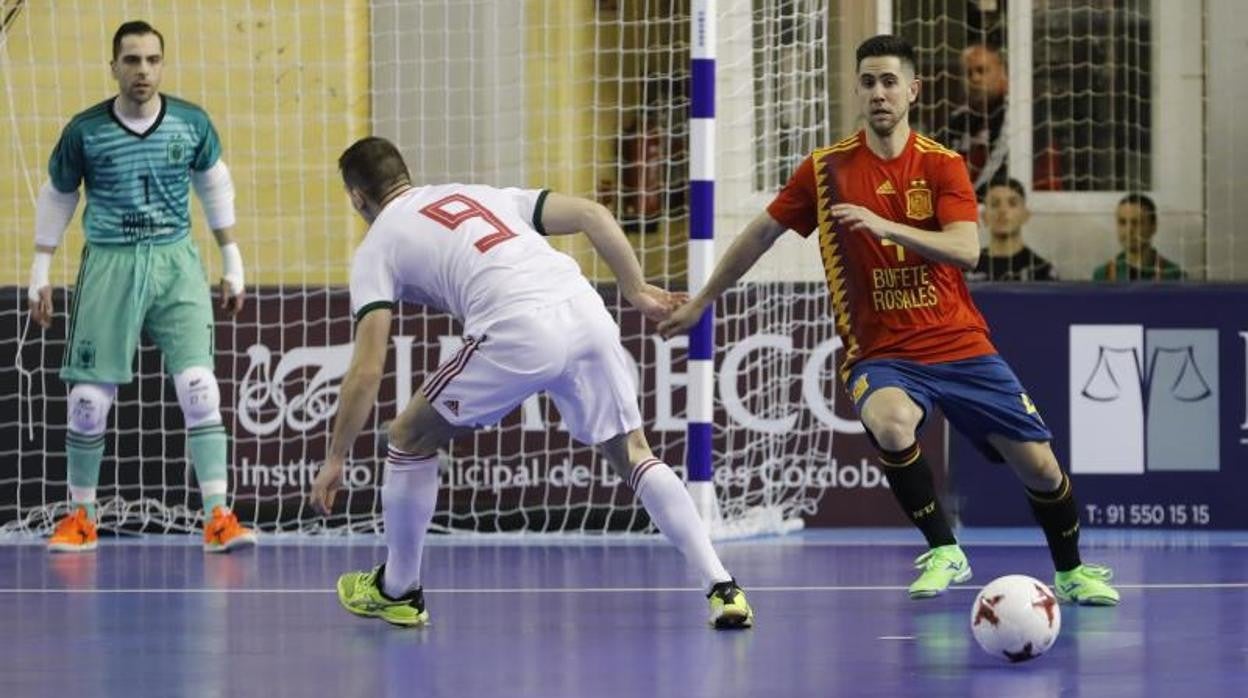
(1145, 391)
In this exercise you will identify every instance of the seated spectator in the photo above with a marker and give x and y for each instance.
(1138, 261)
(977, 128)
(1007, 258)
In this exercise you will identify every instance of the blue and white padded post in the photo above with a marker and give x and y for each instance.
(700, 406)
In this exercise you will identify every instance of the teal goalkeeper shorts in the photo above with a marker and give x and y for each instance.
(123, 290)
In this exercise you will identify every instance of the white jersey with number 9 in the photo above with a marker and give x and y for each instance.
(473, 251)
(477, 253)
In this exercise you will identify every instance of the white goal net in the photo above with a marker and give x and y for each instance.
(584, 98)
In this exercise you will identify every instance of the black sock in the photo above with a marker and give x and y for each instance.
(910, 479)
(416, 596)
(381, 582)
(1058, 515)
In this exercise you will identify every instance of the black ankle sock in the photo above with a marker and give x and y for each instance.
(910, 479)
(416, 595)
(381, 582)
(726, 590)
(1058, 516)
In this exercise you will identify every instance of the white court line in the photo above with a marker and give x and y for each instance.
(592, 590)
(895, 637)
(509, 590)
(1098, 539)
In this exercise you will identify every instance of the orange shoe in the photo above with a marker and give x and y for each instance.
(224, 533)
(74, 534)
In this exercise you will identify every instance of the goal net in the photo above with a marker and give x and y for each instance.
(584, 98)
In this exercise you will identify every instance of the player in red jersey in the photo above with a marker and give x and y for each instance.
(896, 216)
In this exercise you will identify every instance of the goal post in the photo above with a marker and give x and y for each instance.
(701, 363)
(607, 100)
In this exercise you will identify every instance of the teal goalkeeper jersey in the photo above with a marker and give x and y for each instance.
(138, 184)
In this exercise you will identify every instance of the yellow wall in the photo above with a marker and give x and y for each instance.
(559, 86)
(286, 83)
(582, 74)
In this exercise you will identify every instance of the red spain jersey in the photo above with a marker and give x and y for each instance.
(889, 302)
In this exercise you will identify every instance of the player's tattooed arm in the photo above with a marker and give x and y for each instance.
(568, 214)
(758, 237)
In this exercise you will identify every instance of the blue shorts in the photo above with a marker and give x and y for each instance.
(979, 396)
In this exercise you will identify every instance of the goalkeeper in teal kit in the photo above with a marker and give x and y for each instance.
(137, 155)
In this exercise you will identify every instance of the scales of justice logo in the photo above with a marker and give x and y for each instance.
(1143, 399)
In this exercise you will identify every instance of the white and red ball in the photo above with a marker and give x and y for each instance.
(1016, 618)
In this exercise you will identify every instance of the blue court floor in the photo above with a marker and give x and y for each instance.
(603, 618)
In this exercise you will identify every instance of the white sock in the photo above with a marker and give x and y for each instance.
(671, 508)
(408, 498)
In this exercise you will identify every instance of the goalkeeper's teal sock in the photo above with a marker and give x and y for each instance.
(206, 445)
(84, 453)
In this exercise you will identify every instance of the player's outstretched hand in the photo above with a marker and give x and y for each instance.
(325, 487)
(232, 303)
(656, 303)
(681, 319)
(860, 218)
(41, 310)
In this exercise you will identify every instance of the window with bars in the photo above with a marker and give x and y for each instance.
(1090, 95)
(1092, 87)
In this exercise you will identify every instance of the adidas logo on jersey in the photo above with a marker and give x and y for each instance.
(452, 405)
(886, 188)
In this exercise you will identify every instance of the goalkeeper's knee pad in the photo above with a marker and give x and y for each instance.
(88, 407)
(199, 396)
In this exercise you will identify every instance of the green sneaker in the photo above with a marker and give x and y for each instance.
(1087, 585)
(361, 594)
(729, 609)
(941, 566)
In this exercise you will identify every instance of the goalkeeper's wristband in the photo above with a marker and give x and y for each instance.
(39, 274)
(232, 267)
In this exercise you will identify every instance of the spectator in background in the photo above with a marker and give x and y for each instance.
(1139, 260)
(977, 129)
(1007, 257)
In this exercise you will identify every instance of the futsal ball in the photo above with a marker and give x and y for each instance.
(1016, 618)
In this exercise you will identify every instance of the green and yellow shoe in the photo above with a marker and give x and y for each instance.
(1086, 585)
(361, 594)
(941, 566)
(729, 609)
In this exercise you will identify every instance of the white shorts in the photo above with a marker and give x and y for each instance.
(570, 349)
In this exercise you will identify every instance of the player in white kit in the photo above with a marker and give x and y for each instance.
(532, 322)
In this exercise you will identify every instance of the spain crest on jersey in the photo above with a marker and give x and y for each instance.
(918, 200)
